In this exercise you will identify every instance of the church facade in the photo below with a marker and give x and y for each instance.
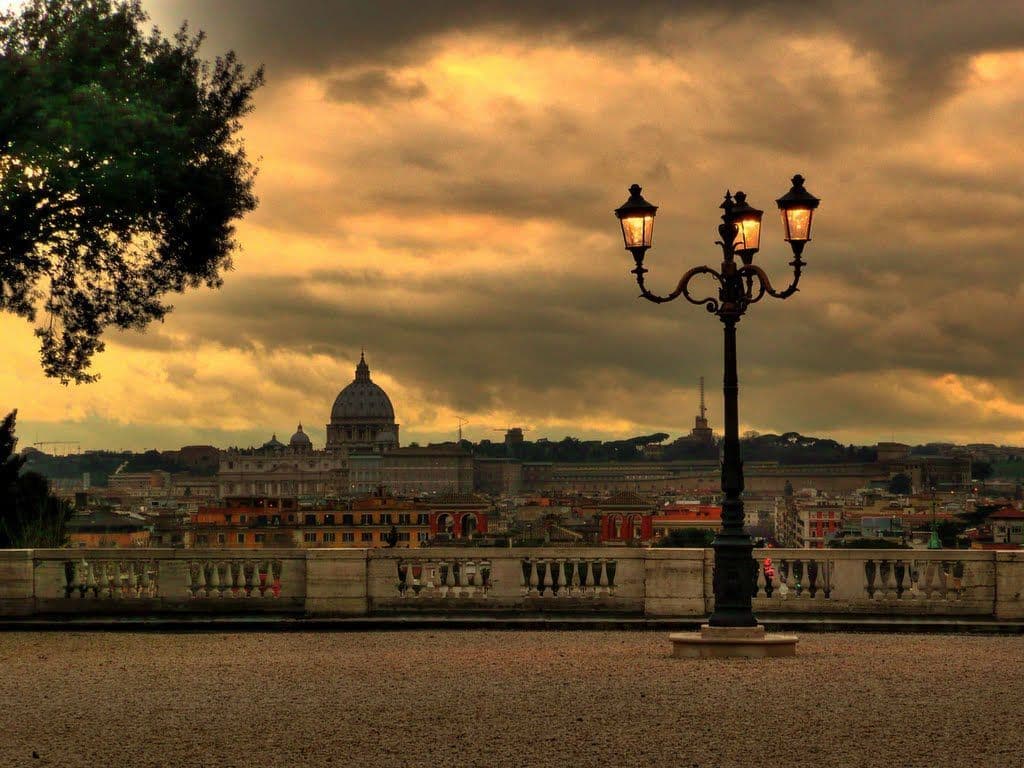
(362, 423)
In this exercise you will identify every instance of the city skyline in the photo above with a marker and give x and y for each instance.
(440, 192)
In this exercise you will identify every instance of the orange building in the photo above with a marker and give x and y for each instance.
(678, 516)
(266, 522)
(106, 529)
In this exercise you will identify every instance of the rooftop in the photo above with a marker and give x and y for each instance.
(482, 698)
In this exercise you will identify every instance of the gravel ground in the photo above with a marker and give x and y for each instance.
(475, 698)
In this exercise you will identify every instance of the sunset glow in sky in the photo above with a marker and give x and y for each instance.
(437, 183)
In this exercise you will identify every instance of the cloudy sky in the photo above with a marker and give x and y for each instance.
(436, 184)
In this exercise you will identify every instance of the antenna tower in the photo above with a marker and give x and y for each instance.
(703, 410)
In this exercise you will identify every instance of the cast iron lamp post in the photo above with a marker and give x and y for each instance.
(739, 285)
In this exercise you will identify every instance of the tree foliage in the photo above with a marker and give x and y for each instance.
(29, 516)
(901, 484)
(121, 172)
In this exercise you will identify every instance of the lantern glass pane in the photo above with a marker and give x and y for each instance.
(798, 223)
(637, 231)
(748, 235)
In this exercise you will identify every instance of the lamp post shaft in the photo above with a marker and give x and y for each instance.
(740, 284)
(734, 562)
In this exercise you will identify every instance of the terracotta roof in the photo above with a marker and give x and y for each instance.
(1007, 513)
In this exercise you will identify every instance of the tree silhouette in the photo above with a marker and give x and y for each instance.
(29, 515)
(121, 172)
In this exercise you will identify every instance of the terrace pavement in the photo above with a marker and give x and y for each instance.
(487, 698)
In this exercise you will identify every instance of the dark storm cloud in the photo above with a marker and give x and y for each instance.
(923, 42)
(373, 87)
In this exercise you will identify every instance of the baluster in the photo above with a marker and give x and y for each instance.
(133, 588)
(945, 580)
(402, 573)
(442, 578)
(581, 574)
(80, 578)
(227, 580)
(90, 580)
(112, 578)
(812, 579)
(885, 578)
(457, 577)
(556, 572)
(238, 578)
(103, 579)
(201, 590)
(542, 569)
(567, 573)
(190, 584)
(825, 575)
(274, 579)
(760, 583)
(914, 577)
(527, 570)
(870, 568)
(595, 571)
(417, 579)
(485, 577)
(214, 583)
(960, 574)
(900, 571)
(245, 582)
(790, 576)
(610, 567)
(798, 574)
(923, 577)
(69, 577)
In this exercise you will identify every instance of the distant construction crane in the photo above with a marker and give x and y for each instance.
(461, 422)
(78, 445)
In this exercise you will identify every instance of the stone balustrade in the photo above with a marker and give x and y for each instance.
(663, 583)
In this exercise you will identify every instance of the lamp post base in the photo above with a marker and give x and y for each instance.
(731, 642)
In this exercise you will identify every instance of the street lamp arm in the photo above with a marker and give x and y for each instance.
(751, 270)
(682, 289)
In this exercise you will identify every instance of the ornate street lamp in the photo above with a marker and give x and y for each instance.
(739, 285)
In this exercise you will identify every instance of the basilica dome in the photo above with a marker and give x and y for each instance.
(362, 399)
(300, 440)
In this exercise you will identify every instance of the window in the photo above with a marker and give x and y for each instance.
(385, 518)
(291, 518)
(366, 536)
(227, 519)
(307, 537)
(403, 536)
(240, 538)
(241, 518)
(404, 518)
(422, 519)
(366, 518)
(348, 536)
(328, 519)
(220, 538)
(422, 536)
(202, 539)
(329, 536)
(310, 519)
(346, 520)
(259, 538)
